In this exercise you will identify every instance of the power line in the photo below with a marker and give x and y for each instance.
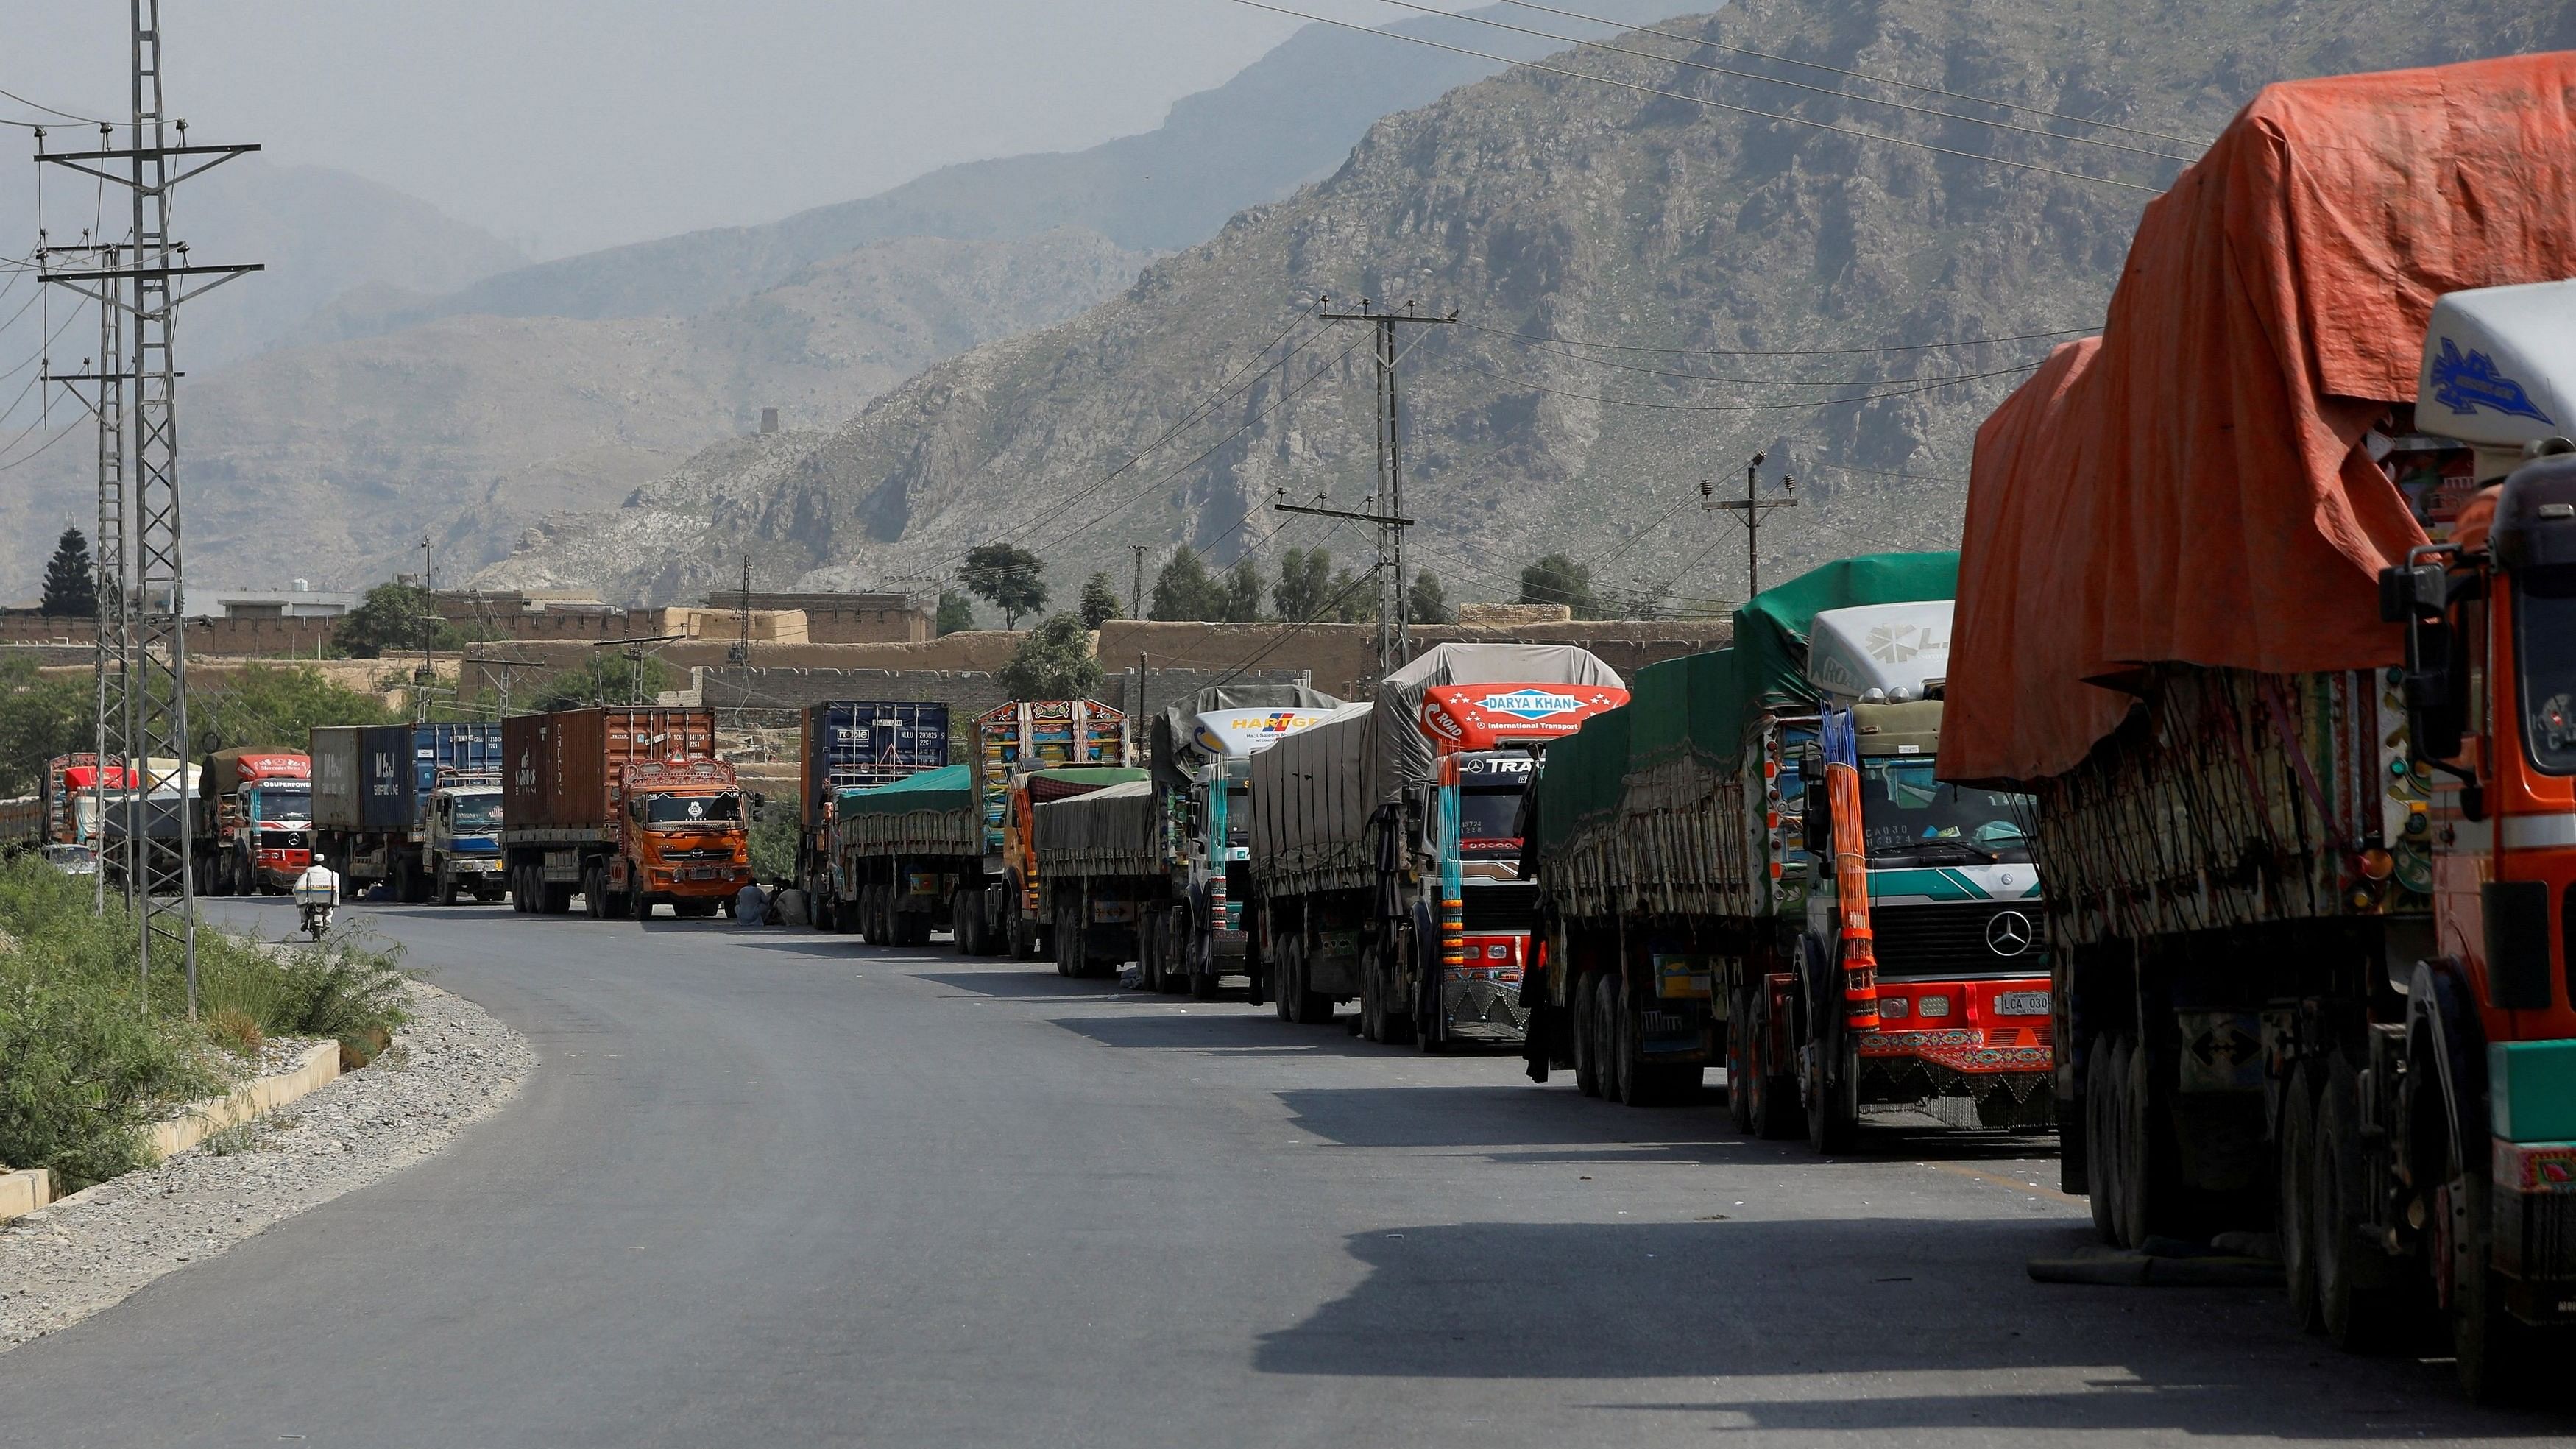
(1703, 101)
(1834, 91)
(1776, 352)
(1743, 407)
(1864, 75)
(1748, 381)
(48, 110)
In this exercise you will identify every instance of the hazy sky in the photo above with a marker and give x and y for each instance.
(563, 125)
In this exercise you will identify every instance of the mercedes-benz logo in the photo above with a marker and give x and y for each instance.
(2008, 933)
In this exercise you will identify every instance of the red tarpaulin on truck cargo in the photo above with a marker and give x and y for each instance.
(2187, 487)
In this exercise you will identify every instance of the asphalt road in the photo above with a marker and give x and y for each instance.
(773, 1187)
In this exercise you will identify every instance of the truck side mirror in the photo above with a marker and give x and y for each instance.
(2435, 681)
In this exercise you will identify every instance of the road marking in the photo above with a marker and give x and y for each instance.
(1999, 1180)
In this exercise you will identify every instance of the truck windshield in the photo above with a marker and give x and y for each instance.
(2544, 618)
(1908, 815)
(1489, 819)
(1238, 815)
(477, 814)
(692, 809)
(282, 806)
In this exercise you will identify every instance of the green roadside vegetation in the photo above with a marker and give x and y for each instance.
(85, 1067)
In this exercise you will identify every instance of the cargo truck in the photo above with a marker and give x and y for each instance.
(1156, 869)
(376, 791)
(2266, 596)
(22, 824)
(251, 827)
(1687, 922)
(76, 792)
(1385, 864)
(1011, 742)
(909, 859)
(851, 745)
(624, 806)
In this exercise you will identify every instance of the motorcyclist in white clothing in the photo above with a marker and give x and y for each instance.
(317, 891)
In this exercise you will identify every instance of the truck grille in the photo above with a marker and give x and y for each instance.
(1490, 908)
(1966, 939)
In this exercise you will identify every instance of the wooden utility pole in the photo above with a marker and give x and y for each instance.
(1750, 513)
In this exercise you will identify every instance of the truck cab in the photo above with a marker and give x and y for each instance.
(1945, 1012)
(683, 840)
(255, 829)
(1464, 840)
(2476, 1066)
(464, 841)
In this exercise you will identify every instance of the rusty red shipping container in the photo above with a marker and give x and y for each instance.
(567, 770)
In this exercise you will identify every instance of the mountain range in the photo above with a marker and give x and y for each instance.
(1659, 267)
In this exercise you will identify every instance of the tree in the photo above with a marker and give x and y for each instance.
(603, 678)
(1428, 602)
(1008, 577)
(1183, 590)
(262, 704)
(1238, 597)
(71, 580)
(1100, 601)
(39, 719)
(1557, 579)
(388, 621)
(955, 614)
(1053, 661)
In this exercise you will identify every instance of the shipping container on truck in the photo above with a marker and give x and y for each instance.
(376, 805)
(1708, 895)
(1385, 865)
(2268, 595)
(251, 830)
(626, 807)
(854, 745)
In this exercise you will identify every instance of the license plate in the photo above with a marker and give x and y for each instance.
(2022, 1003)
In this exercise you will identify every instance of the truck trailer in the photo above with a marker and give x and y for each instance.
(2265, 595)
(1687, 921)
(1385, 861)
(627, 807)
(387, 802)
(1156, 870)
(849, 745)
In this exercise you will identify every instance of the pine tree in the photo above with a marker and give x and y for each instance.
(956, 614)
(71, 580)
(1100, 601)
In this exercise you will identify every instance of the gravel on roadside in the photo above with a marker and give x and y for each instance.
(451, 1064)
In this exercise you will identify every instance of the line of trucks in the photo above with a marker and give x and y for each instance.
(2215, 805)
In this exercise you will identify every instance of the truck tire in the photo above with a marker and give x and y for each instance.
(1307, 1008)
(1775, 1111)
(2355, 1298)
(446, 893)
(1283, 1001)
(2494, 1353)
(1430, 1023)
(615, 905)
(1587, 1057)
(1739, 1101)
(1607, 1042)
(2105, 1080)
(594, 893)
(2294, 1161)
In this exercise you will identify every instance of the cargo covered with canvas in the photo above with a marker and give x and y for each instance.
(1652, 808)
(2191, 487)
(936, 812)
(1112, 831)
(1311, 805)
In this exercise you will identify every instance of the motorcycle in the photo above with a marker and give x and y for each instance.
(317, 918)
(316, 892)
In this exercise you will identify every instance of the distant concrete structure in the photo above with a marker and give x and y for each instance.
(300, 602)
(1512, 616)
(838, 618)
(769, 420)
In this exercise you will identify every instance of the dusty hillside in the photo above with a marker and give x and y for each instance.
(1821, 297)
(330, 462)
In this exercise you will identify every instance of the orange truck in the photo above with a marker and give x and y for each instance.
(2267, 597)
(626, 807)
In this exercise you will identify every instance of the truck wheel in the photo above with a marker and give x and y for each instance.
(1283, 1002)
(2353, 1294)
(1587, 1058)
(594, 893)
(1775, 1113)
(1395, 1021)
(2494, 1353)
(615, 905)
(1309, 1008)
(1203, 985)
(1607, 1042)
(446, 893)
(1739, 1100)
(1152, 928)
(2296, 1166)
(2106, 1077)
(1430, 1021)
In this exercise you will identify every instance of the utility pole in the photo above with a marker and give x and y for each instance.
(427, 674)
(741, 653)
(1136, 594)
(1751, 510)
(111, 651)
(148, 285)
(1394, 627)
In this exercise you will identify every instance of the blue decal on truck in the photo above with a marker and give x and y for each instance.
(2466, 384)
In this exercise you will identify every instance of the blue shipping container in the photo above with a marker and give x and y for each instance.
(399, 765)
(855, 743)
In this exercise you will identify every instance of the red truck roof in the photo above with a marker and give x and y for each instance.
(2188, 487)
(1460, 717)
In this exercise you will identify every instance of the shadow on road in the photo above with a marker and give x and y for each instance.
(1035, 981)
(1946, 1299)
